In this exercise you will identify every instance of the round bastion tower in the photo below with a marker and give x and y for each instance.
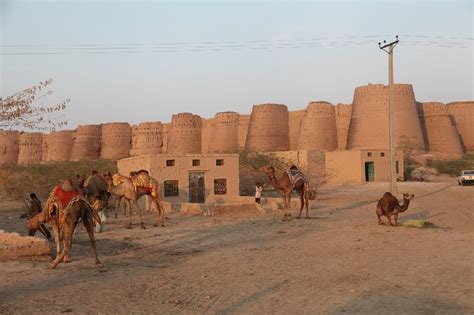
(116, 141)
(31, 148)
(318, 128)
(185, 134)
(224, 133)
(86, 144)
(268, 129)
(463, 114)
(441, 134)
(9, 147)
(147, 139)
(57, 145)
(369, 122)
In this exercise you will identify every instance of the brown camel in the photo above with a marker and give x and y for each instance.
(130, 189)
(388, 205)
(285, 187)
(78, 209)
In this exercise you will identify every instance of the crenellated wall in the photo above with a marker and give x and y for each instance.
(86, 144)
(9, 147)
(268, 129)
(185, 134)
(343, 120)
(318, 128)
(57, 146)
(224, 133)
(463, 114)
(441, 135)
(147, 138)
(368, 128)
(31, 148)
(116, 141)
(442, 130)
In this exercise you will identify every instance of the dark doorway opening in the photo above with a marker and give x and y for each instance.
(197, 190)
(369, 171)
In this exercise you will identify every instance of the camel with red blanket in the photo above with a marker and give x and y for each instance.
(64, 209)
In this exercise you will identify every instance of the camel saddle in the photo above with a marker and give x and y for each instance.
(117, 179)
(61, 198)
(295, 176)
(146, 182)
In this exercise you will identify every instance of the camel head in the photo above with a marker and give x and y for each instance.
(408, 196)
(34, 222)
(269, 170)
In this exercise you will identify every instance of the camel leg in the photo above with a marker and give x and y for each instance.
(289, 203)
(395, 218)
(302, 205)
(159, 220)
(88, 224)
(117, 205)
(307, 207)
(57, 238)
(389, 217)
(68, 230)
(129, 207)
(379, 215)
(135, 205)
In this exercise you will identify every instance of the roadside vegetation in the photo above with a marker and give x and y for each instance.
(18, 181)
(453, 167)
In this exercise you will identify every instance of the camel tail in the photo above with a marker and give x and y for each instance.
(89, 214)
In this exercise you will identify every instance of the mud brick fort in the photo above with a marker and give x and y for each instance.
(442, 130)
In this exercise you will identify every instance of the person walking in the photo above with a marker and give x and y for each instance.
(258, 192)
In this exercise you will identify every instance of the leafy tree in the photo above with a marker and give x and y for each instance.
(25, 109)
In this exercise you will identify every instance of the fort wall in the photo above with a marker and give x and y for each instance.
(30, 148)
(116, 141)
(343, 119)
(147, 139)
(268, 129)
(368, 128)
(463, 114)
(9, 147)
(86, 144)
(441, 134)
(57, 146)
(185, 134)
(318, 127)
(224, 133)
(243, 129)
(295, 118)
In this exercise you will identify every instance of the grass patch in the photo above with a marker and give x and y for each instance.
(18, 181)
(453, 167)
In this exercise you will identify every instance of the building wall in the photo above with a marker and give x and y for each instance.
(243, 129)
(441, 135)
(183, 166)
(348, 166)
(116, 140)
(318, 127)
(31, 148)
(9, 147)
(463, 114)
(268, 129)
(369, 122)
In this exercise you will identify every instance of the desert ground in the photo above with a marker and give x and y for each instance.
(249, 262)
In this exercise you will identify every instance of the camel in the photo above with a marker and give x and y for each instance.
(388, 205)
(95, 187)
(130, 189)
(285, 187)
(64, 221)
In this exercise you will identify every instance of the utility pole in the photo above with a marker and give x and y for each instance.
(388, 48)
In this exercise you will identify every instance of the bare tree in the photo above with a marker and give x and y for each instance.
(26, 109)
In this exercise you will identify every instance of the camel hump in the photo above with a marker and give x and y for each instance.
(387, 194)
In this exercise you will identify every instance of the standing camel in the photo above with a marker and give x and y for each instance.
(130, 189)
(285, 187)
(388, 205)
(95, 187)
(64, 219)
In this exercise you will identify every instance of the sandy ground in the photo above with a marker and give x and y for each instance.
(339, 261)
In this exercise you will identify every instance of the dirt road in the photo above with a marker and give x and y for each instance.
(340, 261)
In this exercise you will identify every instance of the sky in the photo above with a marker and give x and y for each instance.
(144, 61)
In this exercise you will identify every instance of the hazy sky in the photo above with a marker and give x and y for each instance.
(128, 61)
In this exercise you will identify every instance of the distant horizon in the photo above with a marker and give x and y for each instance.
(127, 62)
